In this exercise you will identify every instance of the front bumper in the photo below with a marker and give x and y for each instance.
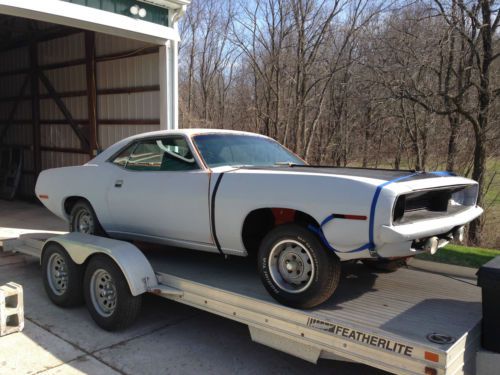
(427, 228)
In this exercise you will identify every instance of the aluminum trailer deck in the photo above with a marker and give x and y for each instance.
(399, 322)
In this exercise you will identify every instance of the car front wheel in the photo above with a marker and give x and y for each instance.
(295, 267)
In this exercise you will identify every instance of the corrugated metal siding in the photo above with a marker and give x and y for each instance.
(20, 134)
(63, 49)
(110, 134)
(108, 44)
(14, 59)
(129, 72)
(126, 72)
(144, 105)
(51, 159)
(66, 79)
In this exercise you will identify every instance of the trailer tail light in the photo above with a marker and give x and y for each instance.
(430, 371)
(429, 356)
(43, 196)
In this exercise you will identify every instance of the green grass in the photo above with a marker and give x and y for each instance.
(461, 256)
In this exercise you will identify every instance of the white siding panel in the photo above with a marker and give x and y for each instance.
(19, 134)
(59, 136)
(130, 72)
(52, 159)
(63, 49)
(23, 111)
(66, 79)
(110, 134)
(27, 185)
(129, 106)
(14, 59)
(11, 85)
(77, 106)
(108, 44)
(28, 160)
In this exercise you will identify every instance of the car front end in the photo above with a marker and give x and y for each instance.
(426, 214)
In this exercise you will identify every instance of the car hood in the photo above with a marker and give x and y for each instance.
(371, 173)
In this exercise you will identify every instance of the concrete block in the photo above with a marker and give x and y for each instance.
(11, 308)
(487, 363)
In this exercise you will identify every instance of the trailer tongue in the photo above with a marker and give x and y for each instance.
(408, 322)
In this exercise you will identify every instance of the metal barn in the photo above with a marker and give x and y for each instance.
(78, 75)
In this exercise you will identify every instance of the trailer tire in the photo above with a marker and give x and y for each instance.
(103, 278)
(385, 265)
(62, 278)
(295, 267)
(84, 220)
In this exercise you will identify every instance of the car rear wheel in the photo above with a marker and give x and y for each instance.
(84, 220)
(107, 295)
(295, 267)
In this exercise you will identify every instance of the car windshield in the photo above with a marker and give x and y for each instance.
(237, 150)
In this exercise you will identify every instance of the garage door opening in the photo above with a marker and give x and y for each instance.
(66, 93)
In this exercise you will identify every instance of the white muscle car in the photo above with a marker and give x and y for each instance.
(238, 193)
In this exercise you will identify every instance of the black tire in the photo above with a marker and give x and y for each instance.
(324, 267)
(385, 265)
(82, 208)
(126, 307)
(65, 291)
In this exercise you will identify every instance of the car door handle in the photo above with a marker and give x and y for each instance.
(118, 183)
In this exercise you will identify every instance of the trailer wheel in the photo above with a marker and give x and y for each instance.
(62, 278)
(385, 265)
(108, 296)
(84, 220)
(295, 267)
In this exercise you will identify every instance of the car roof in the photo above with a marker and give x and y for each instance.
(195, 131)
(189, 132)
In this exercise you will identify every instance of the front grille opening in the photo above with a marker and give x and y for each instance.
(426, 204)
(428, 200)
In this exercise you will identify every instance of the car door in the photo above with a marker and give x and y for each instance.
(159, 192)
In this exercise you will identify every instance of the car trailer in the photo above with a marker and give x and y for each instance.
(407, 322)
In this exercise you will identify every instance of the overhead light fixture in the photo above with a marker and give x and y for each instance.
(134, 10)
(137, 11)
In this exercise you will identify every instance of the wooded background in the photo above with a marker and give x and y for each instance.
(401, 84)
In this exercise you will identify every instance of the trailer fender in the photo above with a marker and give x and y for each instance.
(132, 262)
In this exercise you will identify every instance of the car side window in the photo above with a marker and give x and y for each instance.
(162, 154)
(122, 158)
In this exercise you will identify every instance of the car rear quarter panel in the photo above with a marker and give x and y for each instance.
(88, 181)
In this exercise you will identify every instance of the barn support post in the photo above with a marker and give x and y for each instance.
(90, 66)
(168, 65)
(35, 108)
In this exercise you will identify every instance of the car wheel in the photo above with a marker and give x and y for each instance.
(62, 278)
(295, 267)
(385, 265)
(108, 296)
(84, 220)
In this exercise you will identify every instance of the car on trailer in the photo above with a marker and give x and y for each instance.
(239, 193)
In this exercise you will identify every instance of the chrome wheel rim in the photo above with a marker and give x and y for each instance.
(103, 292)
(84, 221)
(57, 274)
(291, 266)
